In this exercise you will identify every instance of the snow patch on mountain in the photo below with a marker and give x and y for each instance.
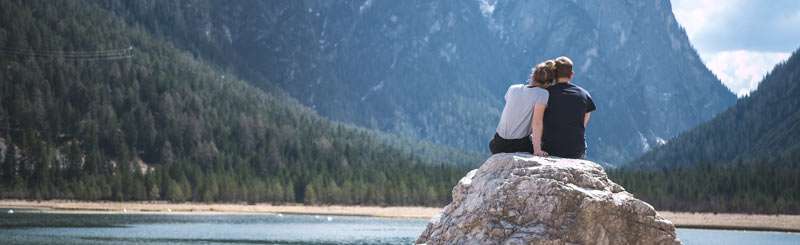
(487, 7)
(365, 6)
(591, 53)
(373, 89)
(643, 140)
(623, 36)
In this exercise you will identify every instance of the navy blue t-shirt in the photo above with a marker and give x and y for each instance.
(563, 133)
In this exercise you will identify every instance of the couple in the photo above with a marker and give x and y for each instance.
(548, 116)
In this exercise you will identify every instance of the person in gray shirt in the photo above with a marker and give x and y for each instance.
(520, 126)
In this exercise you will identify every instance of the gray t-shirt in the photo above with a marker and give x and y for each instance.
(515, 122)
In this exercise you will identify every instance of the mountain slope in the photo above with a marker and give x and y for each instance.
(438, 70)
(763, 125)
(746, 159)
(85, 117)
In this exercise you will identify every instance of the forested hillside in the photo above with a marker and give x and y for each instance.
(747, 159)
(437, 70)
(94, 107)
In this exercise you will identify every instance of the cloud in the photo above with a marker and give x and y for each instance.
(741, 40)
(699, 16)
(769, 26)
(742, 70)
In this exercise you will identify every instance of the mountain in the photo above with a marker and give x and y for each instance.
(437, 70)
(764, 124)
(746, 159)
(93, 107)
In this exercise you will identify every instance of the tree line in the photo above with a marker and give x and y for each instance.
(768, 186)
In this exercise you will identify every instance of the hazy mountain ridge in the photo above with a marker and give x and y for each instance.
(438, 70)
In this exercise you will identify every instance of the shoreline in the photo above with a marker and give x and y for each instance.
(734, 221)
(158, 207)
(721, 221)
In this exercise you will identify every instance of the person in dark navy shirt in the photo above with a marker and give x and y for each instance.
(567, 115)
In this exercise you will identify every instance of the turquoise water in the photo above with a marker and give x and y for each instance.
(40, 228)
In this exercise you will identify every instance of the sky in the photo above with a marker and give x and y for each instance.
(741, 40)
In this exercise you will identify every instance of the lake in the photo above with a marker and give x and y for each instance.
(32, 227)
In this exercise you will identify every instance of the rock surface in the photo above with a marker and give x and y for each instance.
(523, 199)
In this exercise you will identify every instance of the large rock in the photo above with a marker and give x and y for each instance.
(523, 199)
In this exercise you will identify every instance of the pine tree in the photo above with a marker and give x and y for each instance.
(310, 195)
(175, 192)
(10, 163)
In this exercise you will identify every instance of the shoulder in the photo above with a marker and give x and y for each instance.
(514, 87)
(559, 86)
(581, 89)
(541, 91)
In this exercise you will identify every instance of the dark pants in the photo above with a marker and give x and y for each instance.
(563, 153)
(581, 155)
(500, 145)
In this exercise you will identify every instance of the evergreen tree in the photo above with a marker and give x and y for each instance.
(10, 163)
(310, 195)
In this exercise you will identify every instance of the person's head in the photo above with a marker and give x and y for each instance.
(564, 69)
(543, 74)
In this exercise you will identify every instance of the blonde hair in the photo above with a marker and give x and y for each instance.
(544, 73)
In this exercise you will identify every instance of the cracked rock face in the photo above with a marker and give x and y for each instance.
(523, 199)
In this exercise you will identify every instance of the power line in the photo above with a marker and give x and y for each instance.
(92, 55)
(68, 52)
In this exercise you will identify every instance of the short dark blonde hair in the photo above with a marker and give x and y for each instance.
(563, 67)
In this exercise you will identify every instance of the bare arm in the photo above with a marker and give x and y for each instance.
(586, 119)
(537, 123)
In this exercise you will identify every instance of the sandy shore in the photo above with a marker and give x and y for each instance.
(790, 223)
(197, 208)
